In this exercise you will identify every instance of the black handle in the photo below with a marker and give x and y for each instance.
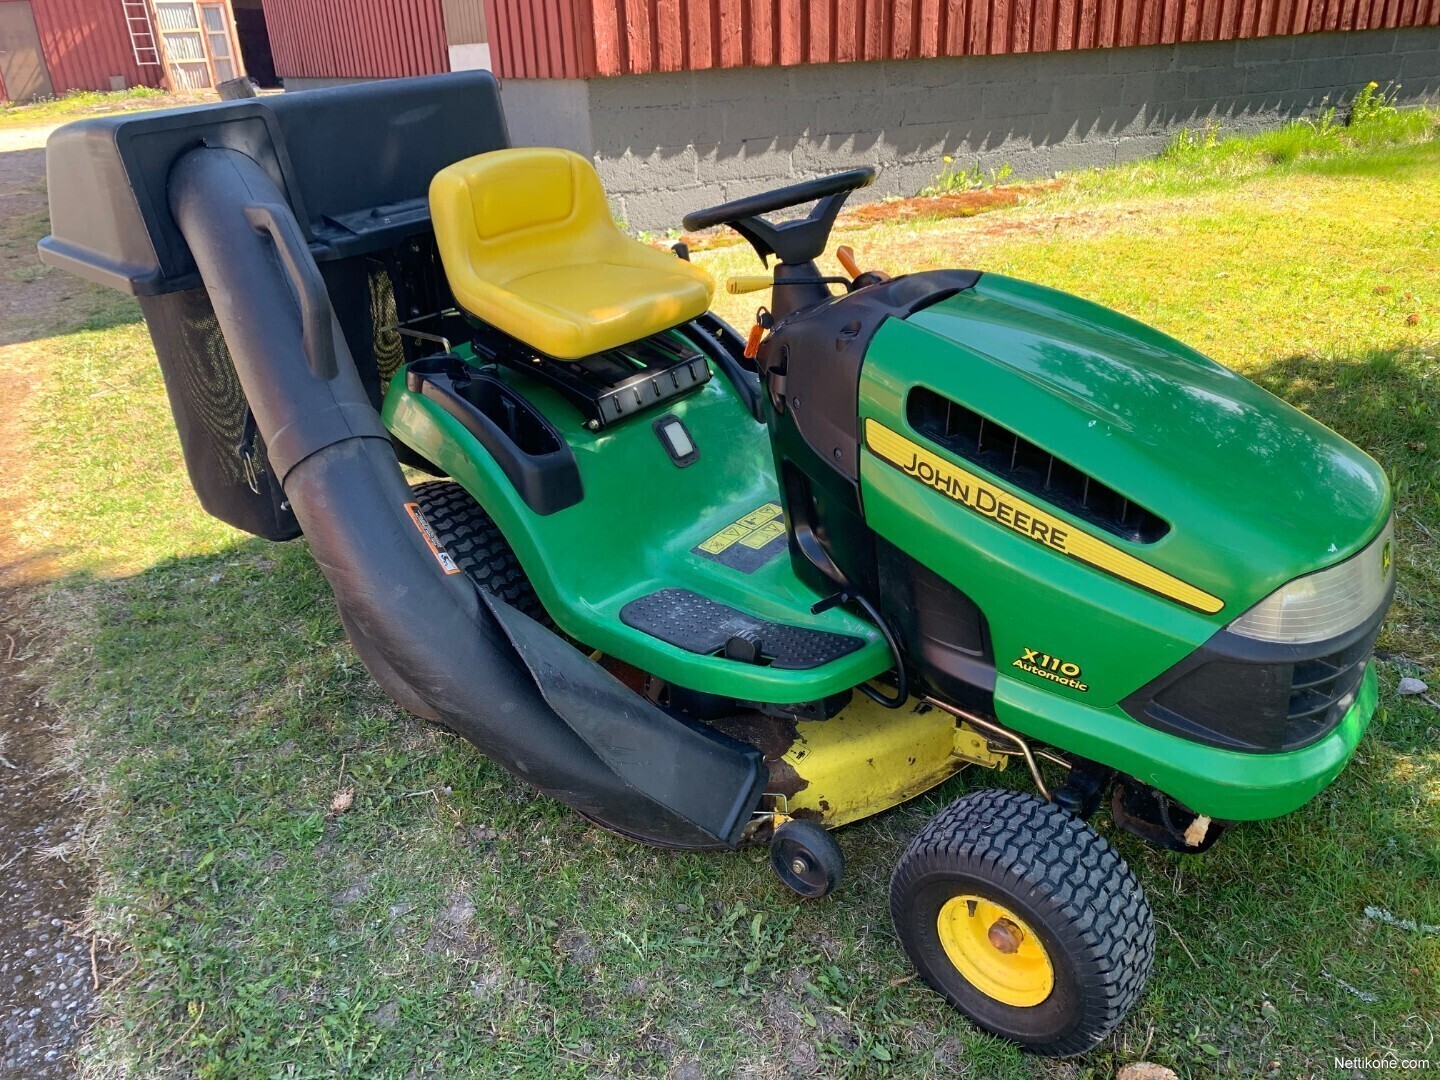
(278, 223)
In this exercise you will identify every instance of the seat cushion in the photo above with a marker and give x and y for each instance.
(574, 311)
(529, 246)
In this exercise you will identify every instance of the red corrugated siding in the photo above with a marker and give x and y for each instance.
(572, 39)
(320, 39)
(85, 42)
(642, 36)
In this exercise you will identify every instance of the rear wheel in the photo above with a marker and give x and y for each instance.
(476, 544)
(1025, 919)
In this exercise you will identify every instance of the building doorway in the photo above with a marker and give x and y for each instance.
(22, 65)
(254, 38)
(466, 35)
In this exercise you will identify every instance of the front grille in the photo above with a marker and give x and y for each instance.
(1322, 691)
(1003, 453)
(1259, 705)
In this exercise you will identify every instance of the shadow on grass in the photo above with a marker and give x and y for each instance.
(451, 919)
(1385, 400)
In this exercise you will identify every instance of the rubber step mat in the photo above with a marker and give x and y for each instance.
(698, 624)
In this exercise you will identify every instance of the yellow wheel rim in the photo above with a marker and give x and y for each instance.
(995, 950)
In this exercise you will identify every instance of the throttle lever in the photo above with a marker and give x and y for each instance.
(845, 255)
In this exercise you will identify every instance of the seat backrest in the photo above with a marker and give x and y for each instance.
(510, 213)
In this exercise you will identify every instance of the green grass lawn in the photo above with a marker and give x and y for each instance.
(451, 923)
(82, 103)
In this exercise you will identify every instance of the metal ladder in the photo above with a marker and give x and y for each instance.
(142, 33)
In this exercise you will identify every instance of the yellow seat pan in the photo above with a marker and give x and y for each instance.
(529, 247)
(575, 311)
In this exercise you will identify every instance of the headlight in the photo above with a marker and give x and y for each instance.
(1327, 603)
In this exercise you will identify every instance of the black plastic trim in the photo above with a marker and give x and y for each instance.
(278, 223)
(606, 388)
(543, 470)
(352, 163)
(1236, 693)
(707, 627)
(1010, 456)
(718, 340)
(811, 361)
(946, 636)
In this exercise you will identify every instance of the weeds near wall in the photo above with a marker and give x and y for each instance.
(953, 179)
(1207, 157)
(1373, 105)
(1189, 144)
(80, 103)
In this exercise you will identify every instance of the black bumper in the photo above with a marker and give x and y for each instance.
(1237, 693)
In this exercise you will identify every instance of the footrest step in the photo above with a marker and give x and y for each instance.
(698, 624)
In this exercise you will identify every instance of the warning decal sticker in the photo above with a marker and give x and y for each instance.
(441, 555)
(747, 544)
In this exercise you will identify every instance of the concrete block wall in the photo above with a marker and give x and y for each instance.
(670, 143)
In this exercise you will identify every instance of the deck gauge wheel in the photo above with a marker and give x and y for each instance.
(806, 859)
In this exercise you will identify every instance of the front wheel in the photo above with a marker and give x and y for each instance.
(1025, 919)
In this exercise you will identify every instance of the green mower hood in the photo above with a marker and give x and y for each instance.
(1250, 493)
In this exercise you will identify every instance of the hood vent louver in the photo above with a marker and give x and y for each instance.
(1004, 454)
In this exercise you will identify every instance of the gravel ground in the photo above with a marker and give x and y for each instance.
(46, 982)
(47, 994)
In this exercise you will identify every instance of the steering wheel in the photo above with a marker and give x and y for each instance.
(793, 242)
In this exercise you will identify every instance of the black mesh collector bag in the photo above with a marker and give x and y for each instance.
(224, 454)
(353, 163)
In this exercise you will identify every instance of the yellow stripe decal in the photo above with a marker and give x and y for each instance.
(1028, 520)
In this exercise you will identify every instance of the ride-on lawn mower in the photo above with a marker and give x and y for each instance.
(714, 590)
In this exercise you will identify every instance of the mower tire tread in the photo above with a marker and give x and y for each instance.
(477, 545)
(1054, 863)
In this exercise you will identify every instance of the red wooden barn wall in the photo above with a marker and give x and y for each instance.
(557, 39)
(357, 38)
(85, 42)
(580, 38)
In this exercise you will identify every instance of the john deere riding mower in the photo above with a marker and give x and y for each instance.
(714, 589)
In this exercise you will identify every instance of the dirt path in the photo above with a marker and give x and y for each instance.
(46, 982)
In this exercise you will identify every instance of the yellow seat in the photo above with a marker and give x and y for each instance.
(530, 247)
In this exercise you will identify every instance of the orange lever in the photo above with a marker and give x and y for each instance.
(847, 260)
(752, 343)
